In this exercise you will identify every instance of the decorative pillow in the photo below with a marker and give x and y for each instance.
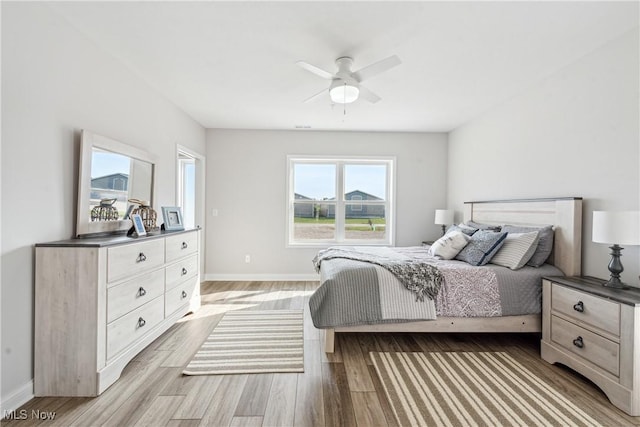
(482, 247)
(517, 250)
(449, 245)
(461, 227)
(545, 242)
(481, 226)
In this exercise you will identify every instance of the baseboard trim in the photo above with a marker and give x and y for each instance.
(262, 277)
(18, 398)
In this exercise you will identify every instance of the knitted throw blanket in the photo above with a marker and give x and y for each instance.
(419, 277)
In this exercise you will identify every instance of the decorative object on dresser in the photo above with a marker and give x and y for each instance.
(138, 225)
(147, 214)
(100, 301)
(444, 217)
(594, 330)
(616, 228)
(172, 216)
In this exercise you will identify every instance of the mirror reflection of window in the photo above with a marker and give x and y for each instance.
(119, 177)
(109, 179)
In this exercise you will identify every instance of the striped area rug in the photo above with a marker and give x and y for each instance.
(471, 389)
(252, 342)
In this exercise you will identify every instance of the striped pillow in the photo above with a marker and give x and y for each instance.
(517, 250)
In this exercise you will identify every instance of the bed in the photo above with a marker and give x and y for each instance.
(565, 214)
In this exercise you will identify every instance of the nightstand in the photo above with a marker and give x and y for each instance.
(593, 330)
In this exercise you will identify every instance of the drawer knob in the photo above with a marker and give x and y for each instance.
(184, 245)
(142, 292)
(184, 294)
(184, 271)
(141, 322)
(142, 257)
(578, 342)
(579, 306)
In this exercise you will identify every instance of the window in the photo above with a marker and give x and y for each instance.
(340, 201)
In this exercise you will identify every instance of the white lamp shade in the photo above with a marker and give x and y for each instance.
(444, 217)
(622, 228)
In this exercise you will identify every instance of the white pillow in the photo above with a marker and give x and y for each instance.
(448, 246)
(517, 250)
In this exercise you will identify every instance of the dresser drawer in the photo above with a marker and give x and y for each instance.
(131, 327)
(128, 260)
(587, 309)
(180, 271)
(181, 245)
(127, 296)
(590, 346)
(179, 296)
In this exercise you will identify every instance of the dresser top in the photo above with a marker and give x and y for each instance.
(594, 286)
(113, 240)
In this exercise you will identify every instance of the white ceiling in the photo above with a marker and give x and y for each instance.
(232, 64)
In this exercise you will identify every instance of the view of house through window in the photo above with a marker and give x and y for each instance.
(346, 201)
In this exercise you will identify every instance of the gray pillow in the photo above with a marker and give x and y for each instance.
(545, 242)
(461, 227)
(482, 246)
(481, 226)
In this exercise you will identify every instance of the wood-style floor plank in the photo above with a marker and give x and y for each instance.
(339, 389)
(159, 412)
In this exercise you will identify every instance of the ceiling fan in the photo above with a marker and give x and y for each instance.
(345, 84)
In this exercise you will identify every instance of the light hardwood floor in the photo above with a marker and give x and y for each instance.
(339, 389)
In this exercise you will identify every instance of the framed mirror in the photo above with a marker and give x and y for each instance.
(110, 174)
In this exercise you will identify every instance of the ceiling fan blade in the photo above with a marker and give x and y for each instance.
(315, 70)
(376, 68)
(316, 96)
(367, 95)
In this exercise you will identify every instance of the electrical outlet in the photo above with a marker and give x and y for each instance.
(247, 259)
(214, 212)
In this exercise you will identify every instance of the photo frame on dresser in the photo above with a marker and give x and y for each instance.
(172, 216)
(138, 225)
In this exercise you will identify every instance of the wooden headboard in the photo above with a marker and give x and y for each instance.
(565, 214)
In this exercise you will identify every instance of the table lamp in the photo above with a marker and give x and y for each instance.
(616, 228)
(444, 217)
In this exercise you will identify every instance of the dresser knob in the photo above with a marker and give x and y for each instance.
(184, 294)
(578, 342)
(142, 292)
(142, 257)
(184, 271)
(184, 245)
(579, 306)
(141, 322)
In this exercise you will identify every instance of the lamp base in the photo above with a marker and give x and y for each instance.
(615, 282)
(615, 267)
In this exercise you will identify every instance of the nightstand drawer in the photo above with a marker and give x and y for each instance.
(587, 309)
(591, 347)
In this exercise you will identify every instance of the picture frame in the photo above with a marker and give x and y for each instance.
(138, 225)
(172, 216)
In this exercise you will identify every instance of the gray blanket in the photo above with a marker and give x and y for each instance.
(419, 277)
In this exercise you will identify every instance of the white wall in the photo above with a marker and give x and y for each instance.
(54, 83)
(574, 134)
(246, 183)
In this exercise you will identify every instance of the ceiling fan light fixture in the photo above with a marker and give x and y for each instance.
(343, 93)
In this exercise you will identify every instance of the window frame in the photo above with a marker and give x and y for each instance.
(340, 202)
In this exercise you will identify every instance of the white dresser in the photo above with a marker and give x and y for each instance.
(595, 331)
(100, 301)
